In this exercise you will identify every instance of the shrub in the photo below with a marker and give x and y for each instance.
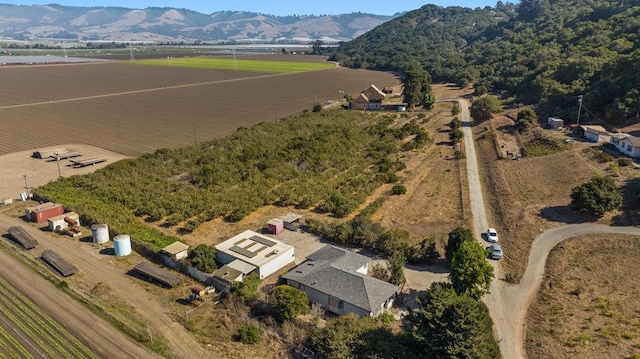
(398, 189)
(249, 334)
(203, 257)
(625, 161)
(597, 196)
(317, 107)
(289, 302)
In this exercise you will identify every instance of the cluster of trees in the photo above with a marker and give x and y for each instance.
(446, 325)
(469, 272)
(362, 231)
(545, 52)
(328, 161)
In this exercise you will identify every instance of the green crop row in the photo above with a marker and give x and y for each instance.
(11, 348)
(279, 67)
(39, 327)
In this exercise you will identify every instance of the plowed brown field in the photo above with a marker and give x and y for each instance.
(133, 109)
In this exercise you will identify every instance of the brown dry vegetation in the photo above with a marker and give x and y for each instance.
(587, 306)
(528, 196)
(132, 109)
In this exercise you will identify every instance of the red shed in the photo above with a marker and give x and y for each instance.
(42, 214)
(275, 226)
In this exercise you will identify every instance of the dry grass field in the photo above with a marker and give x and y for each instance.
(133, 109)
(587, 306)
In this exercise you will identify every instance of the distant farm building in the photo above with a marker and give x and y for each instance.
(337, 279)
(369, 99)
(555, 123)
(266, 255)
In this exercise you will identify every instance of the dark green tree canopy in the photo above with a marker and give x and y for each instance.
(537, 52)
(456, 237)
(203, 257)
(451, 325)
(416, 87)
(598, 196)
(289, 302)
(484, 108)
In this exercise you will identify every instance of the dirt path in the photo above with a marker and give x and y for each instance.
(95, 268)
(94, 332)
(508, 304)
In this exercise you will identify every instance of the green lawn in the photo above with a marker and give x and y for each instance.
(241, 65)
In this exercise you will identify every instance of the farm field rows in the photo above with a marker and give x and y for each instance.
(27, 332)
(238, 64)
(132, 109)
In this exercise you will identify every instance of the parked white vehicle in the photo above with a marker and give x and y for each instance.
(492, 235)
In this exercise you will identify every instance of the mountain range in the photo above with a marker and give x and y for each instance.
(24, 22)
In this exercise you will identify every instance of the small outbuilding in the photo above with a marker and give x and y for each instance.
(44, 211)
(291, 221)
(627, 144)
(58, 223)
(23, 238)
(267, 255)
(555, 123)
(177, 250)
(152, 272)
(275, 226)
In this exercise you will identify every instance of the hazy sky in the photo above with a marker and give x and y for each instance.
(274, 7)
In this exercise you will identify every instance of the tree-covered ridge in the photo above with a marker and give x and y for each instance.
(328, 161)
(538, 51)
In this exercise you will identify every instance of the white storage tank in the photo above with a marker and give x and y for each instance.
(122, 245)
(100, 233)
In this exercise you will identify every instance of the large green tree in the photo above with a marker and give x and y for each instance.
(416, 86)
(598, 196)
(203, 257)
(451, 325)
(485, 107)
(396, 267)
(456, 237)
(469, 272)
(289, 302)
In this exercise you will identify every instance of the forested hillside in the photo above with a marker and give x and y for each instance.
(539, 51)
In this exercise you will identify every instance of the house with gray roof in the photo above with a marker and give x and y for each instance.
(337, 279)
(627, 144)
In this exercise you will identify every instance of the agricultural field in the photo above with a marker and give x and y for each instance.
(587, 306)
(133, 109)
(27, 332)
(278, 67)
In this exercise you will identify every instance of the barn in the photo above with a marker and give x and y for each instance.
(266, 254)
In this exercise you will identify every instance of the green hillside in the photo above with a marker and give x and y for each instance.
(545, 52)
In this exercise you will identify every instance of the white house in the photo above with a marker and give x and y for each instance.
(265, 254)
(595, 133)
(337, 279)
(627, 144)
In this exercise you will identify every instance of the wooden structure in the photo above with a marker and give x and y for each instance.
(154, 273)
(84, 162)
(58, 263)
(23, 238)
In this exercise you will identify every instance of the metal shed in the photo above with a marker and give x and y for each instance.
(23, 238)
(58, 263)
(177, 250)
(155, 273)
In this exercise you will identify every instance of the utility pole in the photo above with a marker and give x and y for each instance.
(58, 163)
(579, 109)
(195, 140)
(26, 185)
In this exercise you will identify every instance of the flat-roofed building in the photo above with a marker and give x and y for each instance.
(267, 254)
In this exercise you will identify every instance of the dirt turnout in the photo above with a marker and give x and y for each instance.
(134, 109)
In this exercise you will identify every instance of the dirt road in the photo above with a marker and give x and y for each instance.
(94, 268)
(508, 304)
(97, 334)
